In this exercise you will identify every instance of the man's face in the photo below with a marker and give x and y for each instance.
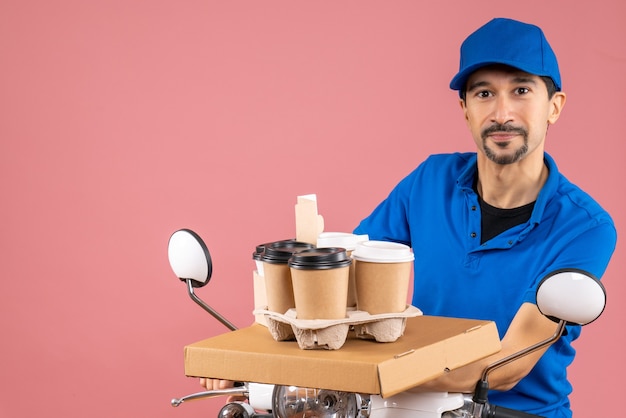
(508, 112)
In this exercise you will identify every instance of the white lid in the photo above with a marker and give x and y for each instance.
(383, 252)
(340, 239)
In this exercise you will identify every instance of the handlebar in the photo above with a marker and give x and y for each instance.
(500, 412)
(239, 390)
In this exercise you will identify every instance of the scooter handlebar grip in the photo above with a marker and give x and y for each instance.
(500, 412)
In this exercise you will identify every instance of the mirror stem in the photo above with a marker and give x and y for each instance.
(207, 308)
(506, 360)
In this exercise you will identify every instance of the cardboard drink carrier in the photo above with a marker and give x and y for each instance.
(321, 316)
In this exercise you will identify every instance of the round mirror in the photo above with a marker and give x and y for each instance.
(573, 295)
(189, 257)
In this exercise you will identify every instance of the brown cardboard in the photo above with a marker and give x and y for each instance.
(308, 223)
(278, 287)
(331, 334)
(382, 287)
(260, 297)
(430, 346)
(312, 286)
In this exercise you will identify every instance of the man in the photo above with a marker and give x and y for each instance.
(485, 227)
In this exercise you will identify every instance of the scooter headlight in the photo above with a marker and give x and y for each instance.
(297, 402)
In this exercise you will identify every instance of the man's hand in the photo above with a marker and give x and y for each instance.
(217, 384)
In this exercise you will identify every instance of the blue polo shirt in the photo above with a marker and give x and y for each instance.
(436, 211)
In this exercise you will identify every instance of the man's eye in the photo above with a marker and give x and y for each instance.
(522, 90)
(483, 94)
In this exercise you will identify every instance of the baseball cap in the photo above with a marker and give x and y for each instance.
(509, 42)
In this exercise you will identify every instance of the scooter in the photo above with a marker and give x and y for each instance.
(568, 296)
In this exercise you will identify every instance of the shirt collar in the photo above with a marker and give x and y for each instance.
(466, 179)
(547, 191)
(468, 174)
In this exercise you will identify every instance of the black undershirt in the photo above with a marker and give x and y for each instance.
(494, 220)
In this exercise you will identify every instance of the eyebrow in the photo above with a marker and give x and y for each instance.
(516, 80)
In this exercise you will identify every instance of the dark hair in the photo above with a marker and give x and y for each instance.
(549, 85)
(547, 81)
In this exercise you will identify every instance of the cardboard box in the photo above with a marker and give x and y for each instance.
(430, 346)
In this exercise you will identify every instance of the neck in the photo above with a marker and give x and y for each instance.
(512, 185)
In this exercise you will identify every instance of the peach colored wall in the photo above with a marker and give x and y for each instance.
(123, 120)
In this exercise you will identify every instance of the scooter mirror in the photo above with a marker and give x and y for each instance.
(189, 257)
(572, 295)
(565, 296)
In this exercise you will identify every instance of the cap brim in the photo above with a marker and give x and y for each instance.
(458, 81)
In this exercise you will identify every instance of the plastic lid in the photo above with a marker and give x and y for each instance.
(279, 252)
(260, 249)
(383, 252)
(340, 239)
(320, 259)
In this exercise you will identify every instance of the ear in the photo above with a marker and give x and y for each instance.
(464, 108)
(556, 106)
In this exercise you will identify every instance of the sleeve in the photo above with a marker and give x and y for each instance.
(589, 251)
(389, 220)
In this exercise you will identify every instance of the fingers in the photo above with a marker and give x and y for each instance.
(216, 384)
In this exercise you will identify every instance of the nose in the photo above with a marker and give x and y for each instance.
(502, 110)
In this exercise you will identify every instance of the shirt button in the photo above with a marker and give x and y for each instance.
(474, 208)
(473, 235)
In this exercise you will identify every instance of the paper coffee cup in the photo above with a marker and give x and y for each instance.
(348, 241)
(278, 286)
(382, 276)
(320, 282)
(258, 262)
(259, 250)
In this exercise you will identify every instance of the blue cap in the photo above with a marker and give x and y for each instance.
(509, 42)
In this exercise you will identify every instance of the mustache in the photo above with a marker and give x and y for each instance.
(498, 127)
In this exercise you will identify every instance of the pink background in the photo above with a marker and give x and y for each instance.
(122, 121)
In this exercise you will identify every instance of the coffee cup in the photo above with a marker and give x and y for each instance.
(278, 286)
(257, 257)
(382, 276)
(320, 282)
(259, 250)
(348, 241)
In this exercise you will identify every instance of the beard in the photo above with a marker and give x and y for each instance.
(508, 158)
